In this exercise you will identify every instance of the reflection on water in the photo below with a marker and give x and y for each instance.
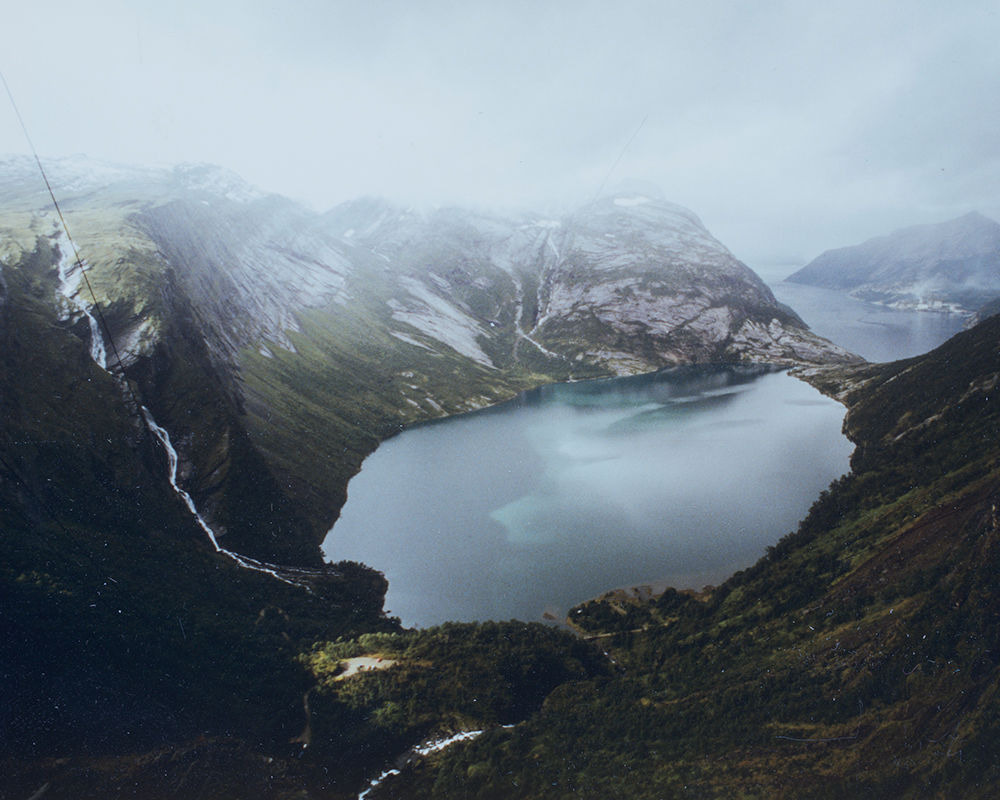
(679, 477)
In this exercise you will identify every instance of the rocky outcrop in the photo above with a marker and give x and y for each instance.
(627, 284)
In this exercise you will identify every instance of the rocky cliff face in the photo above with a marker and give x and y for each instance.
(278, 346)
(627, 284)
(950, 266)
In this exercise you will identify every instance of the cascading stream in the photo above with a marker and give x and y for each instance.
(426, 748)
(247, 563)
(70, 273)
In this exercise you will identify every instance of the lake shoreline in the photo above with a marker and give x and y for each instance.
(586, 469)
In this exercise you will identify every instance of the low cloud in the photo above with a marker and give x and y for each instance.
(789, 128)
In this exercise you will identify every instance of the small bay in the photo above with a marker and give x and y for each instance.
(522, 510)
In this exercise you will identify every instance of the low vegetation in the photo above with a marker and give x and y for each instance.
(442, 680)
(859, 658)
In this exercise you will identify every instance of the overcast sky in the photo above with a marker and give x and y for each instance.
(789, 127)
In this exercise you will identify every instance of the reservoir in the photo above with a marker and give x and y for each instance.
(523, 510)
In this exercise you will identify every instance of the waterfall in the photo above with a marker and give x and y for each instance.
(426, 748)
(164, 439)
(70, 275)
(244, 561)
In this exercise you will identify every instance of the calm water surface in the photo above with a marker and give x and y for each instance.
(677, 478)
(873, 332)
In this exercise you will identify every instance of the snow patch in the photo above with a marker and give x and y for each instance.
(439, 319)
(629, 202)
(410, 340)
(217, 181)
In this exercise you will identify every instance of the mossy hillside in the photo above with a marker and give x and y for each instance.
(124, 271)
(100, 440)
(858, 658)
(156, 332)
(450, 678)
(121, 625)
(165, 343)
(231, 483)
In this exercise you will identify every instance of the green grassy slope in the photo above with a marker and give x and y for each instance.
(317, 412)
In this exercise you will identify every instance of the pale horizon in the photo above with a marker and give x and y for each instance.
(789, 129)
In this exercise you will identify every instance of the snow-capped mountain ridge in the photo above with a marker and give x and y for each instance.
(278, 345)
(643, 276)
(78, 174)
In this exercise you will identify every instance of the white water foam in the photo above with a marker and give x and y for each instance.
(423, 749)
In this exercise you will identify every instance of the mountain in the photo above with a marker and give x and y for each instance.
(626, 284)
(949, 266)
(278, 346)
(171, 457)
(121, 626)
(990, 309)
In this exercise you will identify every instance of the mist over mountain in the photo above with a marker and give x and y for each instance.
(181, 411)
(265, 337)
(953, 265)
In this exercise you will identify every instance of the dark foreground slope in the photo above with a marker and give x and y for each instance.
(123, 634)
(859, 658)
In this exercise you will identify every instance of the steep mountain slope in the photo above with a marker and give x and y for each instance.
(121, 628)
(626, 284)
(277, 347)
(859, 658)
(175, 327)
(952, 265)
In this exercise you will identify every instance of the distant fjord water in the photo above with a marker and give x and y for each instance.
(874, 332)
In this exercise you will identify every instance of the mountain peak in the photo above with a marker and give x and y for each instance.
(634, 187)
(200, 176)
